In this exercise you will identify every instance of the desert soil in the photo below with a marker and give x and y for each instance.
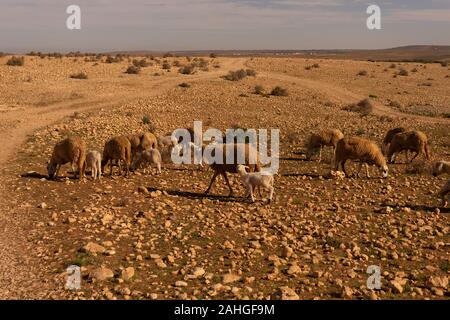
(159, 237)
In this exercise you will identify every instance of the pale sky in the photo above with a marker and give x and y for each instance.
(165, 25)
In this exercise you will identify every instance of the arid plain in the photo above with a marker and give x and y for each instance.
(158, 237)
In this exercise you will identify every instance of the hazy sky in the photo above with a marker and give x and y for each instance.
(220, 24)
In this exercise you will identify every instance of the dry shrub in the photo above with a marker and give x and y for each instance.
(403, 72)
(364, 107)
(188, 69)
(141, 63)
(236, 75)
(166, 66)
(251, 72)
(362, 73)
(279, 92)
(80, 76)
(16, 61)
(111, 59)
(259, 89)
(184, 85)
(133, 70)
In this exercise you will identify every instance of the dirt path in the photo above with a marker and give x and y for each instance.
(345, 96)
(19, 273)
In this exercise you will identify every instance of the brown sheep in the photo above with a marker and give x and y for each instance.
(389, 136)
(444, 192)
(250, 155)
(356, 148)
(117, 148)
(71, 150)
(147, 141)
(135, 140)
(317, 141)
(415, 141)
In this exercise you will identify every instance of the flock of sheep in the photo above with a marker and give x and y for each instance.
(142, 150)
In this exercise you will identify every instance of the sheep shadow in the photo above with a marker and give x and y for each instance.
(310, 175)
(199, 195)
(420, 207)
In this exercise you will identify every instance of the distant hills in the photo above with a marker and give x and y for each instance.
(419, 53)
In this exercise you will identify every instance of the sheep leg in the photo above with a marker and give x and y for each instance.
(94, 172)
(320, 154)
(251, 194)
(158, 166)
(110, 167)
(406, 155)
(270, 194)
(359, 170)
(212, 181)
(224, 174)
(99, 170)
(120, 167)
(342, 164)
(415, 156)
(58, 166)
(367, 171)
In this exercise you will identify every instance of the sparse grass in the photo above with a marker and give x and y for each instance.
(251, 72)
(111, 59)
(133, 70)
(16, 61)
(146, 120)
(80, 76)
(279, 92)
(364, 107)
(166, 66)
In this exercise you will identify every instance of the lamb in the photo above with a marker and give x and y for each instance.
(73, 150)
(117, 148)
(444, 192)
(441, 167)
(94, 162)
(317, 141)
(356, 148)
(251, 159)
(256, 180)
(148, 157)
(415, 141)
(389, 136)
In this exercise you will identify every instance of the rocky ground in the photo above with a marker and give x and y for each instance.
(159, 237)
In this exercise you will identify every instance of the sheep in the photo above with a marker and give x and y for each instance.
(440, 167)
(415, 141)
(389, 136)
(94, 162)
(317, 141)
(256, 180)
(356, 148)
(117, 148)
(250, 155)
(444, 192)
(135, 140)
(147, 141)
(73, 150)
(148, 157)
(167, 142)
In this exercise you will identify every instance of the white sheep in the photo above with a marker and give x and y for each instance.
(254, 180)
(148, 157)
(441, 167)
(94, 162)
(167, 142)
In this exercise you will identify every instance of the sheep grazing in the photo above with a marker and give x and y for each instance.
(147, 141)
(389, 136)
(366, 151)
(256, 180)
(250, 155)
(167, 142)
(71, 150)
(444, 192)
(414, 141)
(94, 163)
(148, 157)
(317, 141)
(117, 148)
(441, 167)
(135, 141)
